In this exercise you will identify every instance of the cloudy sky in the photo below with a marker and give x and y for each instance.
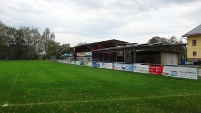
(78, 21)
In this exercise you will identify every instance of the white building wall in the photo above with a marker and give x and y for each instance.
(171, 59)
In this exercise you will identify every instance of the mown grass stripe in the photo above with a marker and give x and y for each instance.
(100, 100)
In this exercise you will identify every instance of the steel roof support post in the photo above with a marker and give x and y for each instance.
(109, 57)
(171, 55)
(103, 56)
(91, 55)
(178, 62)
(171, 59)
(185, 54)
(124, 56)
(98, 56)
(134, 56)
(116, 56)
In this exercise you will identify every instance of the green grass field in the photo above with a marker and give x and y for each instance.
(46, 87)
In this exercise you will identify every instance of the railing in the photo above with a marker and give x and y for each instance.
(167, 70)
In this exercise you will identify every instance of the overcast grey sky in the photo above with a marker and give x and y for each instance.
(76, 21)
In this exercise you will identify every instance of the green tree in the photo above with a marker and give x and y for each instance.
(27, 43)
(52, 47)
(158, 39)
(2, 40)
(171, 40)
(47, 40)
(64, 48)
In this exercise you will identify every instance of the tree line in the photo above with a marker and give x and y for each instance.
(171, 40)
(27, 43)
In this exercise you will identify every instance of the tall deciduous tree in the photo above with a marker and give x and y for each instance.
(26, 43)
(47, 39)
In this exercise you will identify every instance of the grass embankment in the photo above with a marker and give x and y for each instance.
(40, 86)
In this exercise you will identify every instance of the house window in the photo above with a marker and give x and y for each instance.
(194, 53)
(194, 42)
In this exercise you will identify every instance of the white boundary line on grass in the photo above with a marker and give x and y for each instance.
(101, 100)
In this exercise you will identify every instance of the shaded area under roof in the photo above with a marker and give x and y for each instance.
(143, 47)
(195, 31)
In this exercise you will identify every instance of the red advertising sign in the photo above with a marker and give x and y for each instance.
(156, 70)
(152, 69)
(159, 70)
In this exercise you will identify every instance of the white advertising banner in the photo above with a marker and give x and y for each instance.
(106, 65)
(77, 62)
(191, 73)
(117, 66)
(128, 67)
(141, 68)
(66, 61)
(109, 66)
(88, 54)
(73, 62)
(180, 72)
(84, 54)
(102, 65)
(90, 64)
(166, 71)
